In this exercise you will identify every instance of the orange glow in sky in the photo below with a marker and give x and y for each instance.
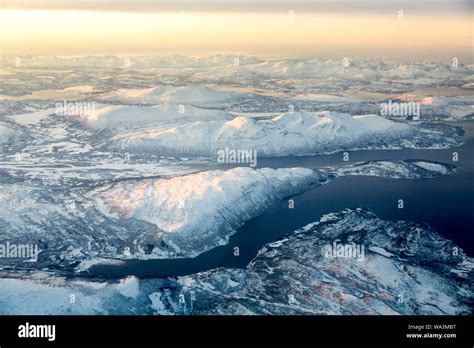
(73, 32)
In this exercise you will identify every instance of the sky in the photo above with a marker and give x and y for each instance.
(404, 29)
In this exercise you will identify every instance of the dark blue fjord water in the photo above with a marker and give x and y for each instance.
(445, 203)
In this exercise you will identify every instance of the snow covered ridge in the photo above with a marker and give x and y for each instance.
(408, 269)
(197, 212)
(289, 134)
(159, 218)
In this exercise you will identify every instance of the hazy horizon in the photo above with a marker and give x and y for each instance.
(426, 30)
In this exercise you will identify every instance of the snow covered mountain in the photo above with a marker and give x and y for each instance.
(290, 134)
(116, 116)
(196, 212)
